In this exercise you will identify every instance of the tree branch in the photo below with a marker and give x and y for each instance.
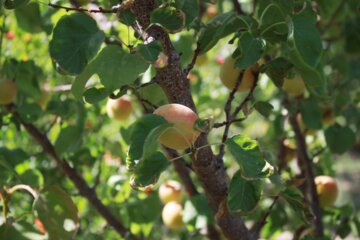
(71, 173)
(230, 118)
(256, 228)
(308, 167)
(80, 9)
(210, 171)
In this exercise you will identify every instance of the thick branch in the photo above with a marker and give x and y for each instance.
(210, 171)
(308, 167)
(77, 180)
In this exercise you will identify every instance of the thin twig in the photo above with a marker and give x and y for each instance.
(248, 97)
(84, 189)
(80, 9)
(308, 167)
(193, 60)
(218, 125)
(228, 113)
(256, 228)
(333, 16)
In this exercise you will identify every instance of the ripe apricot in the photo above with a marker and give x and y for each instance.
(119, 109)
(182, 135)
(327, 190)
(172, 215)
(170, 191)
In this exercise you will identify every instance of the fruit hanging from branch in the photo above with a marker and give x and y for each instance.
(170, 191)
(229, 75)
(172, 215)
(119, 109)
(182, 134)
(327, 190)
(295, 86)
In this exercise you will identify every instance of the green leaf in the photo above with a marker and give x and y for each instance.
(21, 230)
(273, 25)
(264, 108)
(28, 17)
(184, 45)
(247, 154)
(250, 48)
(94, 95)
(57, 212)
(139, 131)
(76, 40)
(339, 139)
(127, 17)
(352, 36)
(145, 210)
(68, 140)
(277, 70)
(151, 143)
(29, 112)
(12, 4)
(311, 113)
(243, 194)
(147, 171)
(33, 178)
(150, 52)
(296, 200)
(170, 18)
(197, 212)
(305, 47)
(115, 68)
(191, 10)
(220, 27)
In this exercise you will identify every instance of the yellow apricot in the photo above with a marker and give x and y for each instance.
(229, 75)
(182, 135)
(327, 190)
(295, 86)
(119, 109)
(170, 191)
(8, 92)
(172, 215)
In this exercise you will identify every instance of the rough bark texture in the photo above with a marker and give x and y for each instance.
(208, 168)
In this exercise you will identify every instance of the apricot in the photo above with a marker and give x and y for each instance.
(119, 109)
(211, 12)
(170, 191)
(8, 92)
(294, 86)
(10, 35)
(289, 151)
(327, 190)
(328, 117)
(172, 215)
(182, 135)
(229, 75)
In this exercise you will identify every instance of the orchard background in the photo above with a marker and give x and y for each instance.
(269, 101)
